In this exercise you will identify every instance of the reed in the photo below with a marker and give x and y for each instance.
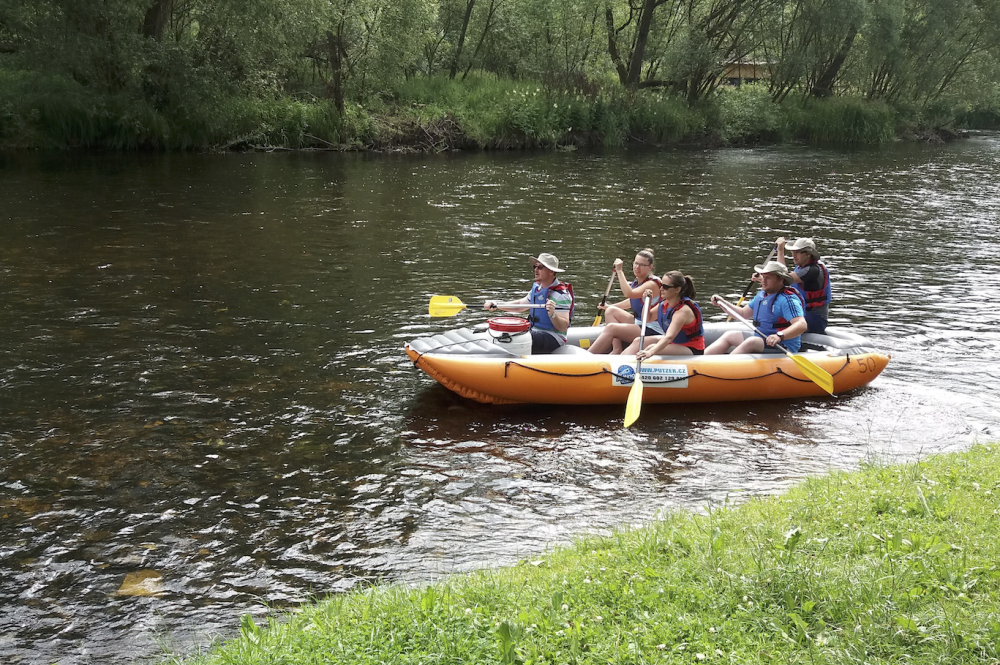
(499, 113)
(981, 117)
(846, 120)
(888, 564)
(480, 112)
(655, 117)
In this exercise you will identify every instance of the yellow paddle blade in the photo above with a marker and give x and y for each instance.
(634, 403)
(445, 306)
(816, 374)
(597, 319)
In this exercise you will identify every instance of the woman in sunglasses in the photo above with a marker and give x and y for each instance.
(680, 316)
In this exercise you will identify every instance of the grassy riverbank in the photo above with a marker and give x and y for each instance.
(887, 565)
(434, 114)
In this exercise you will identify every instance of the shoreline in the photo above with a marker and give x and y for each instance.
(881, 564)
(933, 137)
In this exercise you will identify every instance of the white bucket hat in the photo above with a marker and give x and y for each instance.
(548, 261)
(778, 269)
(803, 245)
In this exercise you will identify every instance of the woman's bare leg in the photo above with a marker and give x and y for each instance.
(611, 338)
(615, 315)
(647, 342)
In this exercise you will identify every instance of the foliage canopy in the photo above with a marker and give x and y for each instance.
(179, 73)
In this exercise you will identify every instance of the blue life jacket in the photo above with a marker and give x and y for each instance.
(764, 317)
(653, 302)
(539, 296)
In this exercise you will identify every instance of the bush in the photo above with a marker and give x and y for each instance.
(747, 114)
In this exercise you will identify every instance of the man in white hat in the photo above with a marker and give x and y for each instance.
(549, 325)
(776, 311)
(811, 279)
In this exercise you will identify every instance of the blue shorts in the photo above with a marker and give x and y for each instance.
(543, 342)
(652, 327)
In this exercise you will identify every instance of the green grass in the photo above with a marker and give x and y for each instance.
(897, 564)
(428, 114)
(492, 113)
(506, 114)
(846, 120)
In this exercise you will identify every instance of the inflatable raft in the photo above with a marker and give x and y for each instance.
(483, 366)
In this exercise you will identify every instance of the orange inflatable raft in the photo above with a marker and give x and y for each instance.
(490, 367)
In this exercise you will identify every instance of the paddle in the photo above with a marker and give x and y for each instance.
(604, 300)
(774, 250)
(634, 402)
(816, 374)
(450, 305)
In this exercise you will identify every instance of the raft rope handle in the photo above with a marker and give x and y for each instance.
(604, 370)
(694, 373)
(764, 376)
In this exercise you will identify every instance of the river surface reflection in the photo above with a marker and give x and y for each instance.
(202, 374)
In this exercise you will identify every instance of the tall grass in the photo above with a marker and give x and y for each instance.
(888, 565)
(655, 117)
(846, 120)
(521, 114)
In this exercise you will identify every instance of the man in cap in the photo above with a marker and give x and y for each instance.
(811, 279)
(548, 331)
(776, 311)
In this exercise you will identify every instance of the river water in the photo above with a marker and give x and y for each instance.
(202, 372)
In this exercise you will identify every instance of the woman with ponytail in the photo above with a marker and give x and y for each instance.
(679, 316)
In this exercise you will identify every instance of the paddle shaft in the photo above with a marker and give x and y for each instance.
(503, 305)
(450, 306)
(812, 371)
(604, 300)
(774, 250)
(634, 402)
(642, 334)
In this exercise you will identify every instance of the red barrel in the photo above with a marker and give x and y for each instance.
(510, 324)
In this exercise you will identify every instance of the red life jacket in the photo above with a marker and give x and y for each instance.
(820, 296)
(693, 334)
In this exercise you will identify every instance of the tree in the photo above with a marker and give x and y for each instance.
(718, 32)
(627, 42)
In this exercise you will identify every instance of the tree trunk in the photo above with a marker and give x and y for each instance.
(482, 38)
(335, 86)
(642, 36)
(609, 19)
(823, 87)
(157, 19)
(461, 38)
